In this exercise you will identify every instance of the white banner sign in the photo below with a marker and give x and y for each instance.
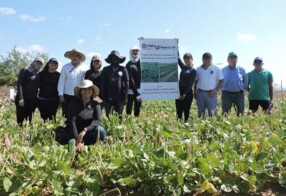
(159, 67)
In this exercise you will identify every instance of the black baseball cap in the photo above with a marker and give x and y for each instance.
(207, 55)
(54, 60)
(258, 60)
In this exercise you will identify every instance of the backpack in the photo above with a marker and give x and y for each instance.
(61, 135)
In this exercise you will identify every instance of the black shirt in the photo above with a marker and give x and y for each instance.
(49, 84)
(94, 76)
(114, 83)
(27, 84)
(187, 78)
(134, 71)
(82, 116)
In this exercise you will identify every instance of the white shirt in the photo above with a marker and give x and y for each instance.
(70, 77)
(208, 78)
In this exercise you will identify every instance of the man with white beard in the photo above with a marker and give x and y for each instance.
(134, 70)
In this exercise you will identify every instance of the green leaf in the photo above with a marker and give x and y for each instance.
(249, 178)
(204, 166)
(252, 179)
(17, 184)
(226, 188)
(213, 160)
(112, 166)
(180, 179)
(188, 188)
(57, 187)
(7, 184)
(205, 185)
(281, 134)
(166, 134)
(243, 187)
(282, 179)
(128, 181)
(261, 156)
(156, 190)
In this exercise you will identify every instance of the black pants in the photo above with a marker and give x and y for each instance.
(91, 137)
(137, 105)
(25, 112)
(184, 107)
(48, 109)
(117, 105)
(65, 105)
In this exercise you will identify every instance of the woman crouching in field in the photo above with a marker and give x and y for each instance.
(27, 90)
(84, 116)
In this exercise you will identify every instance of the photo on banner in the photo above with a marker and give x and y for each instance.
(159, 67)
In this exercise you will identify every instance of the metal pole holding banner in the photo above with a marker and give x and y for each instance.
(282, 89)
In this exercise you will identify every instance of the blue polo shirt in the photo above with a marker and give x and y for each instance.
(235, 79)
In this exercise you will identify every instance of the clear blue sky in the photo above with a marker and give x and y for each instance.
(248, 27)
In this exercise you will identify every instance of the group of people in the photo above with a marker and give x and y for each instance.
(232, 80)
(81, 94)
(84, 94)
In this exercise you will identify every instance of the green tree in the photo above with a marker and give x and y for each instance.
(11, 65)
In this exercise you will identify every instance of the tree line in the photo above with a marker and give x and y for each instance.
(13, 62)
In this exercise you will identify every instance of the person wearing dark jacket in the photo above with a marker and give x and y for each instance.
(27, 90)
(94, 72)
(84, 116)
(48, 101)
(134, 70)
(114, 84)
(186, 81)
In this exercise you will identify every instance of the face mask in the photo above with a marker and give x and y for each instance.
(134, 58)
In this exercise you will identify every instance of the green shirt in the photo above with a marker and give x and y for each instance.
(259, 84)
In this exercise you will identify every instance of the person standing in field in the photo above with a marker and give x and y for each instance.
(208, 82)
(114, 84)
(187, 78)
(260, 87)
(71, 75)
(134, 70)
(27, 91)
(235, 84)
(48, 101)
(94, 72)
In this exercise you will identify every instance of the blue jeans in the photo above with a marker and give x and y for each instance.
(204, 101)
(91, 137)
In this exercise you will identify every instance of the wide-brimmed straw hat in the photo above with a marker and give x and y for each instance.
(75, 51)
(115, 53)
(86, 84)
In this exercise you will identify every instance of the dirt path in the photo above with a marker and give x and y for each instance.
(168, 76)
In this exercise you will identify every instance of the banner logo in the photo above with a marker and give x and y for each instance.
(156, 47)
